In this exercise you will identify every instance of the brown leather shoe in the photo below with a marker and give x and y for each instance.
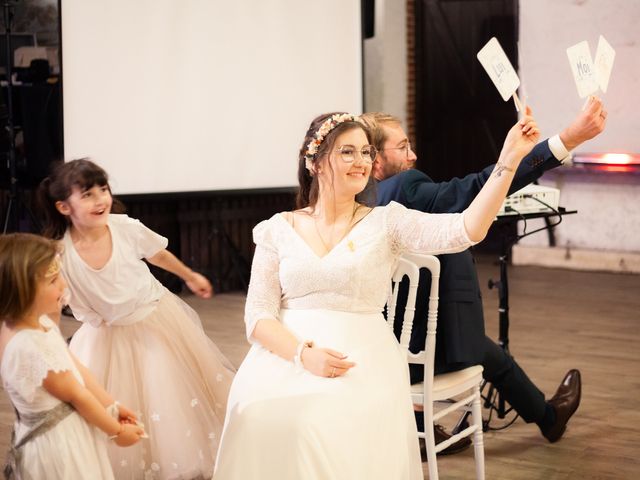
(565, 402)
(457, 447)
(441, 435)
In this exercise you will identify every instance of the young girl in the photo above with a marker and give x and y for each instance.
(143, 343)
(57, 401)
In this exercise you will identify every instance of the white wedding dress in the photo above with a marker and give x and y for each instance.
(287, 424)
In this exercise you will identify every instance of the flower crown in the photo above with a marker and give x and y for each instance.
(329, 124)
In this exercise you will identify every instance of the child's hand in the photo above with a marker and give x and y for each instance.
(199, 285)
(129, 435)
(126, 415)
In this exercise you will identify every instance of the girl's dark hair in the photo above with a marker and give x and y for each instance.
(58, 186)
(308, 183)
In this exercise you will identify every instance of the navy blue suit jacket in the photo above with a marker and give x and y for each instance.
(460, 317)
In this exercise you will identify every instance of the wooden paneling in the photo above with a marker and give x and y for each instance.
(210, 232)
(215, 233)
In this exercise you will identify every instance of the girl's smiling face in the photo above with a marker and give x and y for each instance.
(88, 208)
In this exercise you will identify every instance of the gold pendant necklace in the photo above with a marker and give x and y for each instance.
(346, 231)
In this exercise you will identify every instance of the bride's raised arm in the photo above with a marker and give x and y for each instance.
(522, 137)
(410, 230)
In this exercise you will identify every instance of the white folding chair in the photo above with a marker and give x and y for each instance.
(442, 388)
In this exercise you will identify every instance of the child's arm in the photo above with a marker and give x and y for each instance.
(197, 283)
(65, 387)
(92, 384)
(100, 393)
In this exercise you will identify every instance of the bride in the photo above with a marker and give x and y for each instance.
(324, 392)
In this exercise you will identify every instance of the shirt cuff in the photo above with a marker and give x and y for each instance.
(558, 149)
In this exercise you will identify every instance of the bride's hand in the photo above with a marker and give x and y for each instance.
(325, 362)
(522, 137)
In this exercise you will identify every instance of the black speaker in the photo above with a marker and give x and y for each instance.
(368, 18)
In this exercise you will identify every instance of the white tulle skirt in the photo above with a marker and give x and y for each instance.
(166, 369)
(287, 424)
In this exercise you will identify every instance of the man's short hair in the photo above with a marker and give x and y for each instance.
(375, 122)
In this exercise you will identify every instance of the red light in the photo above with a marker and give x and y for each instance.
(617, 168)
(607, 159)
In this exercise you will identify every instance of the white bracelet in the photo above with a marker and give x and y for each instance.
(114, 409)
(297, 359)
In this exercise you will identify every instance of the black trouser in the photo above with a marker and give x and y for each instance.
(505, 375)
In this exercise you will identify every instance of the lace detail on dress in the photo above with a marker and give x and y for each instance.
(414, 231)
(263, 297)
(355, 275)
(30, 361)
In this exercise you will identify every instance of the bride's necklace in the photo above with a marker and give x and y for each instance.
(344, 234)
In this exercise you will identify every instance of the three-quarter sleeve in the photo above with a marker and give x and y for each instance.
(413, 231)
(265, 292)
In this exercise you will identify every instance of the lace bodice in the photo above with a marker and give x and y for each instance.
(355, 275)
(27, 359)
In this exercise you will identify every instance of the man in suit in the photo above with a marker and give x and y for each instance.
(461, 339)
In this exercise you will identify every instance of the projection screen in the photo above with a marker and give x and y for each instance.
(200, 95)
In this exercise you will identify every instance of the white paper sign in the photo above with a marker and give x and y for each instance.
(583, 70)
(499, 68)
(603, 62)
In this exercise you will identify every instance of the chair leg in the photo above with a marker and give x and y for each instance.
(430, 442)
(478, 441)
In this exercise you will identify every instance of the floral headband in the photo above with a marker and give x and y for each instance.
(329, 124)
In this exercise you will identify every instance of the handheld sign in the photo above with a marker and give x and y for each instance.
(583, 70)
(603, 62)
(500, 71)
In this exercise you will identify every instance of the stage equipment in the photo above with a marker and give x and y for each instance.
(531, 199)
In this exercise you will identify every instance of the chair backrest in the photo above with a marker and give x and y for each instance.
(409, 265)
(410, 270)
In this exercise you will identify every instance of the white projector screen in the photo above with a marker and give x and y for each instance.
(200, 95)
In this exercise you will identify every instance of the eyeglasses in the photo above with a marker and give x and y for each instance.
(348, 153)
(406, 148)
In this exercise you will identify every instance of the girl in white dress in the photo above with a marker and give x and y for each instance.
(144, 344)
(324, 392)
(61, 410)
